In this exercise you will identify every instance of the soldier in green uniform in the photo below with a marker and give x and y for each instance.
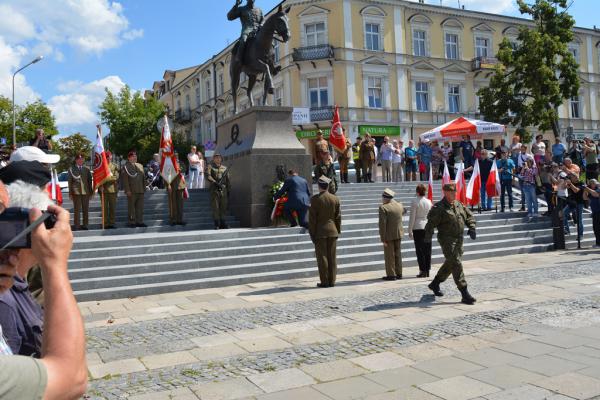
(450, 217)
(391, 232)
(217, 175)
(132, 175)
(356, 158)
(176, 191)
(251, 18)
(109, 190)
(367, 158)
(325, 225)
(80, 191)
(326, 168)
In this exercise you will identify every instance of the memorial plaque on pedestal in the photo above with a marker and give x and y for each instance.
(253, 143)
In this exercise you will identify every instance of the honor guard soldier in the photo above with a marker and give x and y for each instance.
(450, 217)
(109, 190)
(356, 158)
(321, 147)
(325, 225)
(80, 191)
(326, 168)
(133, 184)
(176, 191)
(390, 232)
(367, 158)
(218, 176)
(344, 159)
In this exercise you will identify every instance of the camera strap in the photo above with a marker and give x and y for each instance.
(27, 230)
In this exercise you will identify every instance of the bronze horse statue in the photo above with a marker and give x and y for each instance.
(259, 57)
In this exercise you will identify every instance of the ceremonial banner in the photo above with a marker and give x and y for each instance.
(492, 186)
(101, 168)
(168, 164)
(337, 138)
(474, 187)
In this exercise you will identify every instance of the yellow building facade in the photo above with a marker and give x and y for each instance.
(394, 67)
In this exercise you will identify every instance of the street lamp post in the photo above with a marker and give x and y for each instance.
(37, 59)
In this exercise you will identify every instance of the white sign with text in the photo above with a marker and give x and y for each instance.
(301, 116)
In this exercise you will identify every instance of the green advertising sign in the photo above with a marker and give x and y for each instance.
(312, 133)
(379, 130)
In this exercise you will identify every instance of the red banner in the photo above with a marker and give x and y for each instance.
(337, 137)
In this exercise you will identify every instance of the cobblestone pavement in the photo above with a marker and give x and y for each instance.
(534, 334)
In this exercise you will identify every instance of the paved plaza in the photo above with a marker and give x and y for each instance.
(533, 334)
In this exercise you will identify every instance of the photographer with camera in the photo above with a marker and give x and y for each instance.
(61, 373)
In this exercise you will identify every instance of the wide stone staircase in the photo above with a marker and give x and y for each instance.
(159, 259)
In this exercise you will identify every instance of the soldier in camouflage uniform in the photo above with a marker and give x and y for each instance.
(326, 168)
(219, 190)
(251, 18)
(450, 217)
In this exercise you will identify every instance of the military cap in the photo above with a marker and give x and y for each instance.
(324, 181)
(388, 193)
(449, 187)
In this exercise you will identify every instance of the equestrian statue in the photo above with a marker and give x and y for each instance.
(253, 53)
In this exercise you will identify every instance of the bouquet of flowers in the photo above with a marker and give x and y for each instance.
(277, 215)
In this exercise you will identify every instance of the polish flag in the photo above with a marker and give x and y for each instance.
(461, 187)
(492, 186)
(474, 187)
(168, 164)
(101, 169)
(54, 189)
(430, 187)
(446, 176)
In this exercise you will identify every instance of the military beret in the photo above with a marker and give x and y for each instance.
(449, 187)
(32, 172)
(131, 153)
(79, 157)
(388, 193)
(324, 181)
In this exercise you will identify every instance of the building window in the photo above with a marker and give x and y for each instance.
(208, 126)
(221, 84)
(451, 46)
(575, 107)
(276, 48)
(420, 43)
(372, 36)
(198, 95)
(454, 98)
(178, 104)
(278, 96)
(188, 105)
(482, 46)
(207, 85)
(318, 92)
(422, 96)
(315, 34)
(375, 90)
(575, 51)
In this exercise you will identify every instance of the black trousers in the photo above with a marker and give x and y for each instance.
(422, 249)
(596, 224)
(302, 214)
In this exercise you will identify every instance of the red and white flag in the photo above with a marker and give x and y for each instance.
(461, 189)
(492, 186)
(474, 187)
(54, 189)
(430, 186)
(446, 176)
(337, 137)
(168, 164)
(101, 168)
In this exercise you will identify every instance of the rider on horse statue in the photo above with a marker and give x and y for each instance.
(251, 18)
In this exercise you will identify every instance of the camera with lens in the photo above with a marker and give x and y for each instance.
(15, 220)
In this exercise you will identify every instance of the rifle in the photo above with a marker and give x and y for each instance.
(219, 184)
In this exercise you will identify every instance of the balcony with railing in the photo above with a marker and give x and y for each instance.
(183, 116)
(483, 63)
(321, 114)
(309, 53)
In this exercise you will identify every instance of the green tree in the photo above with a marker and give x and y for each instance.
(28, 118)
(536, 76)
(132, 123)
(5, 117)
(69, 147)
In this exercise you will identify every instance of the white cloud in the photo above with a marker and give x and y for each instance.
(490, 6)
(78, 102)
(11, 57)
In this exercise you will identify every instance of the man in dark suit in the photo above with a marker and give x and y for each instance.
(325, 225)
(298, 195)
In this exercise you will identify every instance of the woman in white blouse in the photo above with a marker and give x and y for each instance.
(194, 163)
(416, 230)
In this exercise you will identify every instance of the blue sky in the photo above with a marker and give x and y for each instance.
(100, 43)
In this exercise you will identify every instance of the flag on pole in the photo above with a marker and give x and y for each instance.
(446, 176)
(101, 168)
(461, 190)
(337, 137)
(430, 186)
(168, 164)
(474, 187)
(54, 189)
(492, 186)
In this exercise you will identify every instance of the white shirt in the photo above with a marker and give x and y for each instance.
(522, 159)
(539, 149)
(194, 160)
(397, 158)
(419, 210)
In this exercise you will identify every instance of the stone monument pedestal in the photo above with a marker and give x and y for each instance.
(253, 143)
